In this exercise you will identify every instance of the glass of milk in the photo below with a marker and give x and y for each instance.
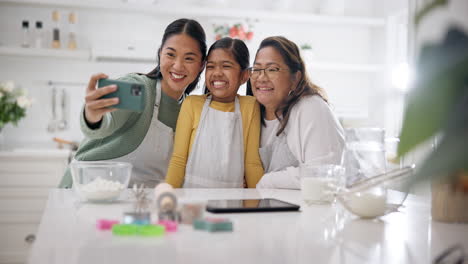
(319, 183)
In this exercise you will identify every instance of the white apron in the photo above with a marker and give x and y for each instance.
(151, 158)
(217, 156)
(276, 155)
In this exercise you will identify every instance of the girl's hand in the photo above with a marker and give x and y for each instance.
(95, 108)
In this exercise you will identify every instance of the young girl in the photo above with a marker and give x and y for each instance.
(217, 135)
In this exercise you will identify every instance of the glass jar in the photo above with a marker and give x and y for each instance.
(364, 154)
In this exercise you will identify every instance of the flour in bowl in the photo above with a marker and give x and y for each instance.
(101, 190)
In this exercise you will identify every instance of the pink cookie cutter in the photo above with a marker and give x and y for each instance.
(105, 224)
(171, 226)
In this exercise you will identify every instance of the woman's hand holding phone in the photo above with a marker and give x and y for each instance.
(96, 108)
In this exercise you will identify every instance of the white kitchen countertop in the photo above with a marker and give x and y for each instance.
(317, 234)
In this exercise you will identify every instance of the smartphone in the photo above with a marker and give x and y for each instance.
(131, 95)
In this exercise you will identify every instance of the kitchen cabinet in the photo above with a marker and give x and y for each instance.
(26, 176)
(197, 10)
(354, 52)
(210, 12)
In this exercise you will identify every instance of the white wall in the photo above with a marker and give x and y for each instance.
(359, 92)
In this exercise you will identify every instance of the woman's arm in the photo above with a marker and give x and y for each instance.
(252, 161)
(314, 136)
(110, 122)
(176, 171)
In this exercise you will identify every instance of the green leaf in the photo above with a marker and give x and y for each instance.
(429, 106)
(428, 8)
(450, 156)
(442, 71)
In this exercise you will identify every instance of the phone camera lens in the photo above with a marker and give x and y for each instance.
(136, 90)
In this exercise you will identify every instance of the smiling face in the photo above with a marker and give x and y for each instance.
(180, 63)
(223, 75)
(271, 92)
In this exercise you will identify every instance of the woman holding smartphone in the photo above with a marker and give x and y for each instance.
(144, 139)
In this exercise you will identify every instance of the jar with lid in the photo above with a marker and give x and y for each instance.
(39, 36)
(26, 34)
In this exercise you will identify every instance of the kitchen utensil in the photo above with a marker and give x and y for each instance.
(171, 226)
(100, 181)
(138, 230)
(73, 145)
(62, 123)
(141, 198)
(52, 126)
(378, 195)
(166, 201)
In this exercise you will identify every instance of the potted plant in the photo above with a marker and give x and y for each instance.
(307, 52)
(437, 105)
(13, 104)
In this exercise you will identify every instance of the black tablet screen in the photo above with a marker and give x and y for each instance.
(252, 205)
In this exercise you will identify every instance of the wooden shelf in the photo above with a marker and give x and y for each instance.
(83, 55)
(120, 55)
(50, 53)
(123, 55)
(211, 12)
(344, 67)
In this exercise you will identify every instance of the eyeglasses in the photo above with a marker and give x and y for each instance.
(271, 72)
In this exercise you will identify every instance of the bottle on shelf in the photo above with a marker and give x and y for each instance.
(56, 30)
(26, 35)
(72, 34)
(39, 40)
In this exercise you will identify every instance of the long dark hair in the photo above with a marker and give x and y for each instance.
(236, 47)
(182, 26)
(291, 56)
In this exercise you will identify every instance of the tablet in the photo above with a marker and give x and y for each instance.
(255, 205)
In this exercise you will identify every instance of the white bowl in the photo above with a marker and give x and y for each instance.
(100, 181)
(379, 195)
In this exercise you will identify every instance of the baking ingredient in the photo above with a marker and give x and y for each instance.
(26, 36)
(367, 204)
(71, 34)
(39, 37)
(101, 190)
(318, 190)
(56, 30)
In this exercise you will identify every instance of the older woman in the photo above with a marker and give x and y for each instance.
(298, 124)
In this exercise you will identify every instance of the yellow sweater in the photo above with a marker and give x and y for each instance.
(187, 125)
